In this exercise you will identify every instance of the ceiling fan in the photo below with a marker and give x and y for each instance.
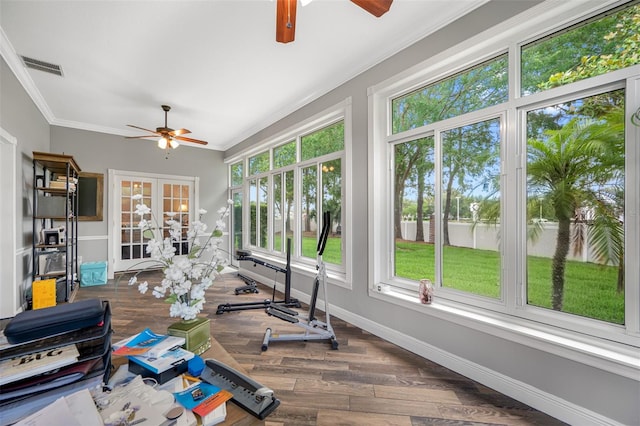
(168, 136)
(286, 15)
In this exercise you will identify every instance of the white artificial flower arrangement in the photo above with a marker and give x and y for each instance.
(185, 277)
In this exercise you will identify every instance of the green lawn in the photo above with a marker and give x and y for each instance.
(590, 289)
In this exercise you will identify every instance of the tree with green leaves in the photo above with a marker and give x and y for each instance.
(578, 167)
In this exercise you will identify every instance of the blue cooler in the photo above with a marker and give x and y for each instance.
(93, 273)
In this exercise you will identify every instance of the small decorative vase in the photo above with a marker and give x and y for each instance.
(197, 334)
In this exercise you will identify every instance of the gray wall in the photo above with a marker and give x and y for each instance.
(605, 394)
(20, 117)
(98, 152)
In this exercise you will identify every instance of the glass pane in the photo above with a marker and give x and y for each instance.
(586, 50)
(176, 207)
(289, 210)
(125, 204)
(479, 87)
(471, 181)
(126, 188)
(236, 174)
(237, 220)
(413, 208)
(332, 203)
(324, 141)
(263, 196)
(253, 203)
(259, 163)
(575, 207)
(284, 155)
(277, 213)
(146, 190)
(309, 213)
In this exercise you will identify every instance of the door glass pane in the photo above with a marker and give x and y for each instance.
(176, 217)
(471, 181)
(131, 239)
(575, 207)
(414, 226)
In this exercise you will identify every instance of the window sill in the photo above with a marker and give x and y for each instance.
(612, 357)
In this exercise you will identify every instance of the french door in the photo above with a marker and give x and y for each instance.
(167, 197)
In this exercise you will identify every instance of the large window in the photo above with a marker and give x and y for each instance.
(510, 177)
(575, 199)
(291, 184)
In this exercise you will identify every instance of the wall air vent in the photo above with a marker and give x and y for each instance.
(36, 64)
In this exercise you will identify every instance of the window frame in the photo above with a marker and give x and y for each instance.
(608, 346)
(340, 275)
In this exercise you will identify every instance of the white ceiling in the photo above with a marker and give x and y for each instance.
(216, 62)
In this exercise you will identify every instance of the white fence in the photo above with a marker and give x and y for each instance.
(486, 237)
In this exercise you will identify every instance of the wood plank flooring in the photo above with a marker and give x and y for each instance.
(367, 381)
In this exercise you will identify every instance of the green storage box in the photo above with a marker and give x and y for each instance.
(197, 333)
(93, 273)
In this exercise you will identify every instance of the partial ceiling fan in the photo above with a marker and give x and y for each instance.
(168, 136)
(286, 15)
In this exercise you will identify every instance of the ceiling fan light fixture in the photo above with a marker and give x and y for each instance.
(173, 143)
(162, 143)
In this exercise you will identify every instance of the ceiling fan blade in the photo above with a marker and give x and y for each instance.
(186, 139)
(286, 20)
(142, 137)
(146, 130)
(375, 7)
(179, 132)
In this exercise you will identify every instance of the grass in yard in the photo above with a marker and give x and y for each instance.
(590, 289)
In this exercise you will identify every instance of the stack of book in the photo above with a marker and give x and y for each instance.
(36, 373)
(163, 358)
(158, 356)
(62, 181)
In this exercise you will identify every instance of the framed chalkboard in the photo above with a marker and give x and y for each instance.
(90, 187)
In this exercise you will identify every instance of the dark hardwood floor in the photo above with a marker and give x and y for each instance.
(367, 381)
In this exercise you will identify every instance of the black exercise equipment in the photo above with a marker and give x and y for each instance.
(250, 284)
(288, 301)
(314, 328)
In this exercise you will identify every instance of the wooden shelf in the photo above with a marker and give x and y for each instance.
(56, 163)
(51, 210)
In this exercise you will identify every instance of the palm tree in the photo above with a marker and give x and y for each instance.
(579, 167)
